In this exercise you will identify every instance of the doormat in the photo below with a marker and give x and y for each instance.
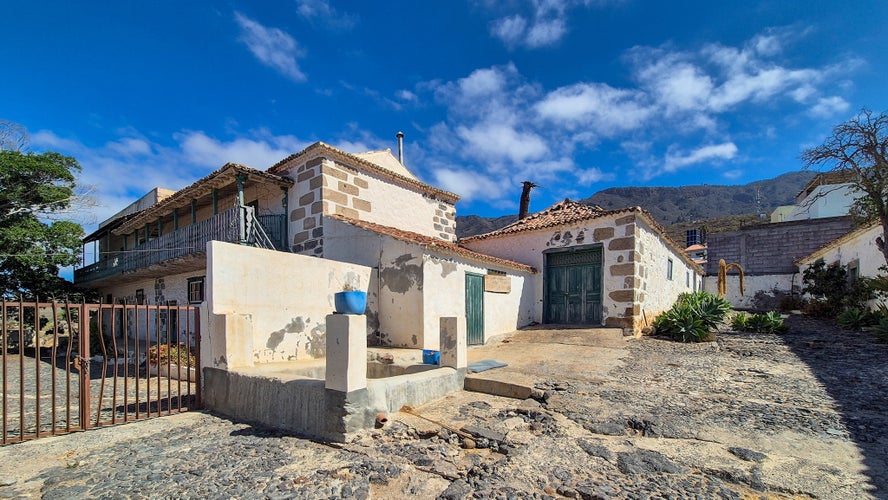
(484, 365)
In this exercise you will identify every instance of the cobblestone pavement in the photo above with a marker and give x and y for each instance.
(800, 415)
(130, 393)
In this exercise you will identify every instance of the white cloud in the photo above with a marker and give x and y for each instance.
(546, 32)
(321, 10)
(272, 46)
(603, 108)
(200, 149)
(715, 152)
(493, 140)
(829, 106)
(509, 29)
(589, 176)
(469, 185)
(733, 174)
(406, 95)
(543, 25)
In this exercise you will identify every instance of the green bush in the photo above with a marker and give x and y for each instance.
(693, 317)
(740, 322)
(769, 322)
(832, 290)
(881, 329)
(856, 319)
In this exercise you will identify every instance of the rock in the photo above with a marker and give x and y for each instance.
(7, 481)
(457, 490)
(596, 450)
(468, 443)
(747, 454)
(606, 428)
(646, 462)
(481, 432)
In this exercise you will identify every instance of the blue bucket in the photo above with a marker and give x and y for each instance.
(351, 302)
(431, 357)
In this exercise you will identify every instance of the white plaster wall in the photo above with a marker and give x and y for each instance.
(399, 289)
(658, 293)
(769, 285)
(444, 294)
(274, 303)
(862, 248)
(831, 200)
(398, 207)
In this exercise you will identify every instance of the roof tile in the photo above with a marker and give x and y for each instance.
(433, 244)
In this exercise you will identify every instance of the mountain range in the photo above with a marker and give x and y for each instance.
(679, 206)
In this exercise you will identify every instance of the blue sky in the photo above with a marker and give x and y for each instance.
(574, 95)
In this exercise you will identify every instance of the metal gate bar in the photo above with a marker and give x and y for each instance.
(78, 398)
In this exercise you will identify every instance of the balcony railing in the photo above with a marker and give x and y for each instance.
(226, 226)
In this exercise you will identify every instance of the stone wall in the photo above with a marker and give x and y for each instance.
(773, 248)
(326, 187)
(634, 263)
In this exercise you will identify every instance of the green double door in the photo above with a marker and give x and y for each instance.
(573, 288)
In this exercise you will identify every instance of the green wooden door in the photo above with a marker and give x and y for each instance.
(573, 287)
(474, 309)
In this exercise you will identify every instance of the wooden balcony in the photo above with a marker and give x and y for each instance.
(184, 249)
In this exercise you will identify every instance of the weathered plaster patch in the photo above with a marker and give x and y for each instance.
(414, 339)
(401, 277)
(317, 345)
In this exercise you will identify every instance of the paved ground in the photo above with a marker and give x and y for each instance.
(749, 416)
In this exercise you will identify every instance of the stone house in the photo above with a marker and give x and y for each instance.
(614, 268)
(155, 250)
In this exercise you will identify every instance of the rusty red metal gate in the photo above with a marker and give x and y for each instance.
(66, 367)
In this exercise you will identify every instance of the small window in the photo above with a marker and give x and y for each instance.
(669, 269)
(140, 296)
(196, 290)
(688, 279)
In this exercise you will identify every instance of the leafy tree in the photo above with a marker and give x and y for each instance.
(860, 147)
(34, 190)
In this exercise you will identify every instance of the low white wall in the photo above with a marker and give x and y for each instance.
(266, 306)
(760, 292)
(444, 294)
(416, 287)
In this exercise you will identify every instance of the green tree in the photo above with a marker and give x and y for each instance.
(860, 147)
(36, 191)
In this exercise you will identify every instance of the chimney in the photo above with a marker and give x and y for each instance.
(525, 199)
(400, 136)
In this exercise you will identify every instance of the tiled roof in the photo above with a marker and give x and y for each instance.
(569, 212)
(222, 177)
(434, 244)
(322, 149)
(559, 214)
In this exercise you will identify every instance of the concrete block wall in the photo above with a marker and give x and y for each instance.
(773, 248)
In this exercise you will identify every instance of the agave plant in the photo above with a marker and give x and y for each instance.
(854, 319)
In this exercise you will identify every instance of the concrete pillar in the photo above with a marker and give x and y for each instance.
(453, 342)
(346, 352)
